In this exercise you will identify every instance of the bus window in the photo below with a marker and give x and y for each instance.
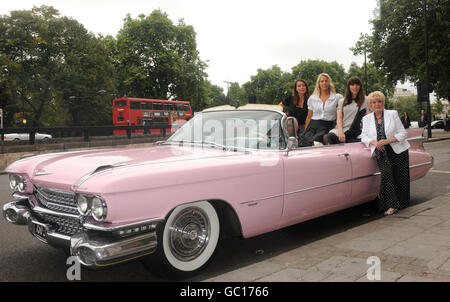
(168, 107)
(186, 108)
(146, 105)
(122, 103)
(135, 105)
(157, 106)
(179, 107)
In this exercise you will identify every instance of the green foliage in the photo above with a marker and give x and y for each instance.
(60, 74)
(156, 59)
(310, 70)
(409, 105)
(397, 43)
(268, 86)
(48, 59)
(437, 108)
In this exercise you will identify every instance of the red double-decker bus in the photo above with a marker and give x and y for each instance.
(149, 112)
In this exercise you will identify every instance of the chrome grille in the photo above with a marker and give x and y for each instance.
(61, 202)
(58, 201)
(63, 225)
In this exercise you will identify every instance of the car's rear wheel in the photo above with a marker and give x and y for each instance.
(187, 240)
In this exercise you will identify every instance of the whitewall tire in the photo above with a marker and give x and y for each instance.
(190, 236)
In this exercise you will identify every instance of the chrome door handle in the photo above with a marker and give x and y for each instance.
(344, 154)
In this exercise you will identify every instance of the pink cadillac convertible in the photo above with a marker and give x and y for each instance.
(226, 171)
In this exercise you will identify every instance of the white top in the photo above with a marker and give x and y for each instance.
(349, 112)
(392, 127)
(327, 112)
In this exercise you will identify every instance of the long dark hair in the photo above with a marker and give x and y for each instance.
(295, 92)
(348, 94)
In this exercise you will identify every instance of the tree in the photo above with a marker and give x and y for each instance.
(437, 108)
(310, 70)
(408, 104)
(215, 95)
(156, 59)
(376, 81)
(46, 59)
(267, 86)
(236, 95)
(397, 42)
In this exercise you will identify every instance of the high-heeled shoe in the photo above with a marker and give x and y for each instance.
(391, 211)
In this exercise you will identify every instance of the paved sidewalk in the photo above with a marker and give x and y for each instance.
(412, 245)
(437, 135)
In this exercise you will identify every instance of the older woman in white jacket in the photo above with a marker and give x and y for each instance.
(384, 133)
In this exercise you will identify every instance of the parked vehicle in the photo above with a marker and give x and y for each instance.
(25, 136)
(229, 171)
(437, 124)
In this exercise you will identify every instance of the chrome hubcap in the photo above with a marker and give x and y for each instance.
(189, 234)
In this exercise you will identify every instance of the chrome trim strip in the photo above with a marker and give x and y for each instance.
(423, 164)
(416, 138)
(16, 195)
(334, 183)
(94, 227)
(251, 202)
(41, 210)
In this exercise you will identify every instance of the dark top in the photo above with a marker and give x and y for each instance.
(299, 113)
(423, 120)
(381, 134)
(406, 122)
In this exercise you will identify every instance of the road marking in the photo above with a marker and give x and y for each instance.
(439, 171)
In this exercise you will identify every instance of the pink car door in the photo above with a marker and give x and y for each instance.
(317, 181)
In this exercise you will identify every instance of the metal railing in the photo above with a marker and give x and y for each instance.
(86, 131)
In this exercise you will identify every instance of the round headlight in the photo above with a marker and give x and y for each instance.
(13, 181)
(82, 204)
(21, 184)
(98, 209)
(17, 183)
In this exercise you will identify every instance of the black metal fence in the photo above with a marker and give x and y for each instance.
(85, 131)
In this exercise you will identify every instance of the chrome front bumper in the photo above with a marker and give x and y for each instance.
(93, 249)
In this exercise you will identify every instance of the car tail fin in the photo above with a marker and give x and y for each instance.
(416, 138)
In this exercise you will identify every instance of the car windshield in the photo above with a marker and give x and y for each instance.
(255, 129)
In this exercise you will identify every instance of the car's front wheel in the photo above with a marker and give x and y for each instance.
(187, 240)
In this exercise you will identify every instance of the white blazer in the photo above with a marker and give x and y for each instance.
(392, 127)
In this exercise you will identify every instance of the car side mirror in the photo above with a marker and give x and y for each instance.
(292, 144)
(291, 127)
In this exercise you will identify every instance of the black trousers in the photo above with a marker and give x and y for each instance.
(315, 132)
(395, 179)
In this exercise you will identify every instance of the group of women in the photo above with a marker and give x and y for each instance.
(330, 118)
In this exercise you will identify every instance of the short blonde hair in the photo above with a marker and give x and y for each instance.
(376, 95)
(317, 88)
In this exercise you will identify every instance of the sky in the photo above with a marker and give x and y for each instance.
(238, 37)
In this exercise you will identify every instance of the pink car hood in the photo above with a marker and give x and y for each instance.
(64, 170)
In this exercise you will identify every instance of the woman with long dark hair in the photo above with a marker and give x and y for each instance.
(296, 105)
(350, 112)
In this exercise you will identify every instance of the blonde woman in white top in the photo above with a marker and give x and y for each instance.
(384, 133)
(322, 106)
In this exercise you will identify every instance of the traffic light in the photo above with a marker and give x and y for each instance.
(423, 91)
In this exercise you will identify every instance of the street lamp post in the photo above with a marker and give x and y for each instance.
(24, 26)
(426, 86)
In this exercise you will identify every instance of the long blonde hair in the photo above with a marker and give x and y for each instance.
(317, 88)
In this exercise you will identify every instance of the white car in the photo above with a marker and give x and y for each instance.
(26, 136)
